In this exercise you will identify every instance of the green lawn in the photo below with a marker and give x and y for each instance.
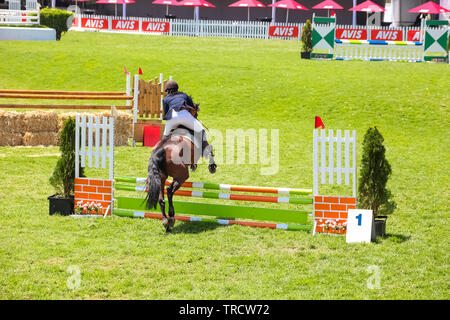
(246, 84)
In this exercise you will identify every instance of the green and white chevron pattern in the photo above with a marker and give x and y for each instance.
(435, 43)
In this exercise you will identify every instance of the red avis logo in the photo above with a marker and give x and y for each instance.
(352, 34)
(413, 35)
(94, 23)
(283, 31)
(155, 26)
(125, 25)
(387, 35)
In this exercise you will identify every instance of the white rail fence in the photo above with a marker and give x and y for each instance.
(100, 143)
(230, 28)
(385, 50)
(329, 161)
(14, 14)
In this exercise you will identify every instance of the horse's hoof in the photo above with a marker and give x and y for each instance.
(212, 168)
(165, 222)
(171, 222)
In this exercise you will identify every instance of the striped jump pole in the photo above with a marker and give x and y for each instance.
(141, 214)
(225, 196)
(224, 187)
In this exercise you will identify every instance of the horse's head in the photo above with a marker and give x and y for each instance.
(196, 109)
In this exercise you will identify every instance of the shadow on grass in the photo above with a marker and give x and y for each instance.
(194, 227)
(397, 238)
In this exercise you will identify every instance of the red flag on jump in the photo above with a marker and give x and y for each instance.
(140, 70)
(319, 123)
(125, 70)
(333, 13)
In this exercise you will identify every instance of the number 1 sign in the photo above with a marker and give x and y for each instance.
(359, 225)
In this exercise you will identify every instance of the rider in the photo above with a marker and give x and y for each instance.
(175, 106)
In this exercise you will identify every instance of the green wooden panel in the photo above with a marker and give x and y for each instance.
(222, 210)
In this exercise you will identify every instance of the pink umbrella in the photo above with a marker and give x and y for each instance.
(429, 7)
(368, 6)
(288, 4)
(196, 3)
(328, 4)
(248, 4)
(116, 2)
(167, 3)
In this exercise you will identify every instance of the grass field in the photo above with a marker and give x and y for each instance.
(246, 84)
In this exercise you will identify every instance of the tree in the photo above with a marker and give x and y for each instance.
(307, 37)
(374, 174)
(63, 178)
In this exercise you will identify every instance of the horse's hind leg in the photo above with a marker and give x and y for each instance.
(174, 186)
(162, 204)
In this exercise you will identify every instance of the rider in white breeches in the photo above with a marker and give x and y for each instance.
(174, 105)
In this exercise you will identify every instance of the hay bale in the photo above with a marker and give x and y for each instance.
(40, 139)
(41, 121)
(10, 139)
(12, 122)
(121, 140)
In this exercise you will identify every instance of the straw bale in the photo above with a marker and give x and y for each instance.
(40, 138)
(10, 139)
(41, 121)
(12, 122)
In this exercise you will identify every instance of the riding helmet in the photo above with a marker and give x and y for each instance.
(171, 85)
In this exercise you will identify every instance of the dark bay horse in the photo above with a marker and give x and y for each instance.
(172, 157)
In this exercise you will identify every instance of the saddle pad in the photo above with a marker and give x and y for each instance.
(181, 132)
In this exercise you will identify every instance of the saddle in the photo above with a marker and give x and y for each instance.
(182, 131)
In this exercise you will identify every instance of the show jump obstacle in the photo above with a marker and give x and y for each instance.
(326, 46)
(143, 100)
(334, 162)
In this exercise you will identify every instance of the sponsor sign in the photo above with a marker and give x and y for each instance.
(92, 23)
(386, 35)
(125, 24)
(352, 34)
(155, 26)
(283, 31)
(413, 35)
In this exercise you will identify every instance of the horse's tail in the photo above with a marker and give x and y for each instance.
(155, 167)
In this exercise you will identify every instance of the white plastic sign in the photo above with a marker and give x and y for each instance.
(359, 225)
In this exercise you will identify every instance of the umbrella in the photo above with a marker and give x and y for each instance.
(429, 7)
(368, 6)
(328, 4)
(248, 4)
(116, 2)
(288, 4)
(167, 3)
(196, 3)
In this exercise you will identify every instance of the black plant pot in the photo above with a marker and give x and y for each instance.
(305, 55)
(63, 206)
(380, 226)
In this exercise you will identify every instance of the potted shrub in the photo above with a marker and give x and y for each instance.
(374, 174)
(63, 178)
(306, 40)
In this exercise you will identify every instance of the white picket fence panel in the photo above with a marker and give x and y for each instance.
(349, 51)
(330, 147)
(19, 16)
(100, 133)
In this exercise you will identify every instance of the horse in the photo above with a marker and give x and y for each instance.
(168, 158)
